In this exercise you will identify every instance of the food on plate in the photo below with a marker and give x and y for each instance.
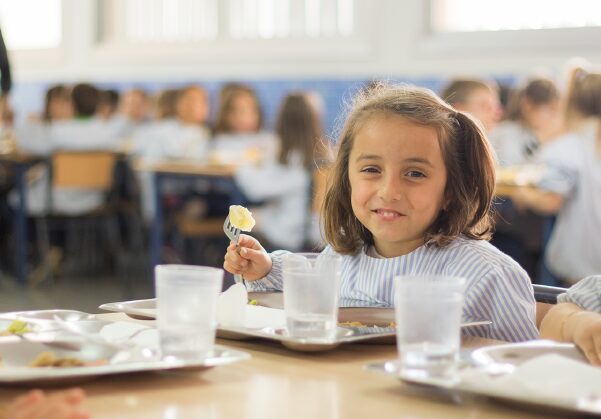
(17, 327)
(49, 359)
(241, 218)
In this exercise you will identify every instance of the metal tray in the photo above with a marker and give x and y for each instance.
(499, 360)
(269, 323)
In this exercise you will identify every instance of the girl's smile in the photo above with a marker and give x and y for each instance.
(397, 176)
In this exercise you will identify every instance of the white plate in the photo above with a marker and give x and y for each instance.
(494, 360)
(17, 354)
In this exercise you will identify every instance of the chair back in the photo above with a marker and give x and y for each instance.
(83, 169)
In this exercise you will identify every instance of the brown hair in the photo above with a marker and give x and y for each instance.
(85, 99)
(165, 103)
(298, 128)
(466, 153)
(584, 98)
(228, 93)
(458, 91)
(54, 92)
(539, 91)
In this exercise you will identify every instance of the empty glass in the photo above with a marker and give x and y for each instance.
(187, 309)
(311, 294)
(428, 320)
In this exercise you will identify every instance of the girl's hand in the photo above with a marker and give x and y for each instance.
(248, 259)
(38, 405)
(587, 335)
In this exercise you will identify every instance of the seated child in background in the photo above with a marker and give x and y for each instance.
(284, 185)
(533, 117)
(571, 184)
(410, 193)
(180, 132)
(577, 318)
(58, 105)
(238, 128)
(476, 97)
(84, 132)
(108, 103)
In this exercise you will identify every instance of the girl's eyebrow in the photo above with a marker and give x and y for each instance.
(418, 160)
(368, 157)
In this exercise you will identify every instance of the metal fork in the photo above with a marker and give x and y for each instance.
(233, 234)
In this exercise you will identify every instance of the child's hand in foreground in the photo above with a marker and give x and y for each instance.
(39, 405)
(248, 259)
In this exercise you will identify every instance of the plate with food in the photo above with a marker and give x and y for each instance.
(60, 360)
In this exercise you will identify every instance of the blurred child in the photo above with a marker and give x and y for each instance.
(108, 102)
(475, 97)
(57, 104)
(533, 117)
(571, 185)
(284, 185)
(239, 110)
(165, 104)
(238, 129)
(135, 106)
(577, 318)
(410, 193)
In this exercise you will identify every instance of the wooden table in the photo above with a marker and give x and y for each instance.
(278, 383)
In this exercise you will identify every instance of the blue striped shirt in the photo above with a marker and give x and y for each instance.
(497, 288)
(586, 293)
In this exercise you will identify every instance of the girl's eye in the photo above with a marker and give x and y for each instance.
(369, 169)
(416, 174)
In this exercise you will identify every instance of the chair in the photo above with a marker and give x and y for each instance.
(88, 171)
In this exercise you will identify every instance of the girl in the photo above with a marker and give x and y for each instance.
(284, 185)
(410, 194)
(571, 185)
(533, 117)
(238, 130)
(577, 318)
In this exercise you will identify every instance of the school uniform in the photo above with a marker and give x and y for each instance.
(284, 191)
(497, 288)
(74, 135)
(573, 169)
(513, 143)
(586, 293)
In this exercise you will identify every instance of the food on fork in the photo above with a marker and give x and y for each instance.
(241, 218)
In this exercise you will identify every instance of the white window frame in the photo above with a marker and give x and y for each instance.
(224, 51)
(491, 43)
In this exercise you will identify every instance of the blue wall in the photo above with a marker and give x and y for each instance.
(336, 93)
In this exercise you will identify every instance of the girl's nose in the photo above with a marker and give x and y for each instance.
(390, 188)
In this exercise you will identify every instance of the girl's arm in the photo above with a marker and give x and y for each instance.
(567, 322)
(542, 202)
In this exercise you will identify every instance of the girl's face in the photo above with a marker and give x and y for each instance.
(540, 116)
(397, 176)
(244, 115)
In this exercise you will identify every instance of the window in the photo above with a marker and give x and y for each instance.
(480, 15)
(17, 18)
(179, 21)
